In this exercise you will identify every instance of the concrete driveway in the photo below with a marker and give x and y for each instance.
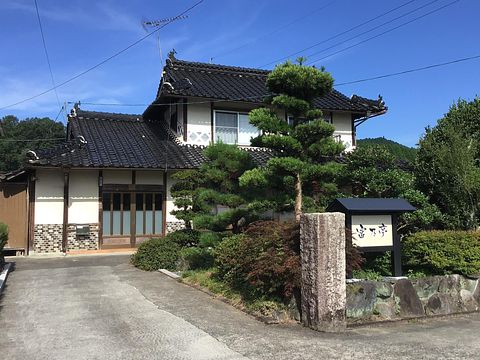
(99, 307)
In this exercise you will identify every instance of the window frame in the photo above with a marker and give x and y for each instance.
(237, 113)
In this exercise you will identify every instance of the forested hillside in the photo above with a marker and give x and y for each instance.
(401, 152)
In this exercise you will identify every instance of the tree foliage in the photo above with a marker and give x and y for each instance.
(13, 131)
(399, 151)
(447, 167)
(373, 172)
(302, 146)
(220, 202)
(184, 193)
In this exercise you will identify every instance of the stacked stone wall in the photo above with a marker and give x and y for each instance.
(47, 238)
(82, 242)
(405, 298)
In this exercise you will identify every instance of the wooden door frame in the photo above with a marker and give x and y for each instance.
(133, 189)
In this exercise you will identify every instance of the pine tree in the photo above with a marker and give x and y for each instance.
(225, 205)
(184, 192)
(304, 145)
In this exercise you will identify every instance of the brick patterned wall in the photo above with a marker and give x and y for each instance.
(174, 226)
(82, 242)
(48, 238)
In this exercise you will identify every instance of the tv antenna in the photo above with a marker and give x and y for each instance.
(155, 23)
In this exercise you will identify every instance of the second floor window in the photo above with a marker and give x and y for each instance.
(233, 128)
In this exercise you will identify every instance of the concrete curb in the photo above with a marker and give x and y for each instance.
(4, 275)
(169, 274)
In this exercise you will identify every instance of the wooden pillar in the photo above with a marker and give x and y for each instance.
(31, 214)
(66, 181)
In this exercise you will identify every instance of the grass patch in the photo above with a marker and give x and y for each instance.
(258, 307)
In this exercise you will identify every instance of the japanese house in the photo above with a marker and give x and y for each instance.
(108, 185)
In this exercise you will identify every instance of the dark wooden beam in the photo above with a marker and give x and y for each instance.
(185, 120)
(100, 209)
(66, 181)
(31, 214)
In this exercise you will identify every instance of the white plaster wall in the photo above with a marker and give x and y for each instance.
(342, 121)
(199, 127)
(343, 129)
(149, 177)
(117, 177)
(49, 197)
(169, 202)
(83, 197)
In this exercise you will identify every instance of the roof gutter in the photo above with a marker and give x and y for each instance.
(360, 121)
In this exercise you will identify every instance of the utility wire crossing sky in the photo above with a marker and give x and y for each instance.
(435, 32)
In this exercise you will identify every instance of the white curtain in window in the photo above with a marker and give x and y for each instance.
(246, 131)
(226, 125)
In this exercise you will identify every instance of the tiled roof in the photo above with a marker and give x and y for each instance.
(240, 84)
(124, 141)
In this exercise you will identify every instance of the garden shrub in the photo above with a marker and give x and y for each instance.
(443, 252)
(209, 239)
(195, 258)
(263, 261)
(154, 254)
(3, 236)
(3, 241)
(185, 237)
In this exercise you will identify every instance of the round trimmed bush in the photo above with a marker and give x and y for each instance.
(185, 237)
(154, 254)
(197, 258)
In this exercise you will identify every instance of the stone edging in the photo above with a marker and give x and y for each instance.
(4, 275)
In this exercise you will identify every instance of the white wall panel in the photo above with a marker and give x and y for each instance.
(83, 197)
(49, 197)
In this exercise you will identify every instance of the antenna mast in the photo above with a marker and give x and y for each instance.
(155, 23)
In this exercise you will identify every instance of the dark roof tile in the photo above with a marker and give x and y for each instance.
(125, 141)
(242, 84)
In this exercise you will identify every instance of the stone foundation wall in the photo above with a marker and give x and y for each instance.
(389, 300)
(82, 242)
(47, 238)
(174, 226)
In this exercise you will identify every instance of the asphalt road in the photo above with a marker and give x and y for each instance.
(99, 307)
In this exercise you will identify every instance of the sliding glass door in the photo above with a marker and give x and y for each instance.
(128, 218)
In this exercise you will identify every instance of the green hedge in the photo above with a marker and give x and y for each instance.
(3, 236)
(443, 252)
(154, 254)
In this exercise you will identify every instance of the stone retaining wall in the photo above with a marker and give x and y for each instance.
(390, 300)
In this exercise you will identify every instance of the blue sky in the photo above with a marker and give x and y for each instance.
(249, 33)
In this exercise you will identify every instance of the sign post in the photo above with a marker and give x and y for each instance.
(373, 224)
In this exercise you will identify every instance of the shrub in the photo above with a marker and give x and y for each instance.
(197, 258)
(443, 252)
(3, 236)
(209, 239)
(264, 261)
(154, 254)
(184, 238)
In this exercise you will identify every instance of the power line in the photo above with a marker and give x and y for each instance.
(410, 70)
(384, 32)
(339, 34)
(61, 109)
(372, 29)
(105, 60)
(31, 140)
(273, 31)
(46, 52)
(336, 85)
